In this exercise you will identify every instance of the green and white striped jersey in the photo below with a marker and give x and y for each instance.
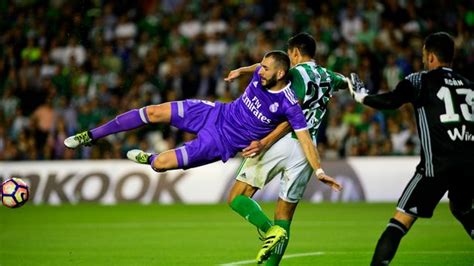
(314, 86)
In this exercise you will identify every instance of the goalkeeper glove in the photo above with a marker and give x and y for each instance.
(357, 88)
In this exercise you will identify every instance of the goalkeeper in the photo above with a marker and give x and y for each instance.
(444, 103)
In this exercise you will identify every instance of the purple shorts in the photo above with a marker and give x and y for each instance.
(198, 117)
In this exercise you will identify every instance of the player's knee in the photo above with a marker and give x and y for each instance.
(153, 113)
(158, 113)
(160, 164)
(240, 189)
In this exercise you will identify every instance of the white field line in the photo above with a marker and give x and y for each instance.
(243, 262)
(320, 253)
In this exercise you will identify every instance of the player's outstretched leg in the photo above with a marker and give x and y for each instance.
(274, 235)
(127, 121)
(83, 138)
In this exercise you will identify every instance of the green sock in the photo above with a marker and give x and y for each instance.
(279, 250)
(251, 211)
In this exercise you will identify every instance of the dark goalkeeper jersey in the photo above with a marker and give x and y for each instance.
(444, 106)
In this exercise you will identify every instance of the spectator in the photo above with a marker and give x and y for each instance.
(351, 24)
(91, 65)
(74, 53)
(216, 24)
(31, 52)
(366, 35)
(125, 30)
(372, 13)
(398, 136)
(391, 72)
(190, 27)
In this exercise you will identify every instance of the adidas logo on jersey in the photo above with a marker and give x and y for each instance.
(414, 210)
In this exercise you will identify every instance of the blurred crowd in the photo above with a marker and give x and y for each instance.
(67, 66)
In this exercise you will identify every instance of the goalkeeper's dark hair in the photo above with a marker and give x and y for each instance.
(281, 59)
(304, 42)
(442, 45)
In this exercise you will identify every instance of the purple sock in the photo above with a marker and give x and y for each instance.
(151, 160)
(126, 121)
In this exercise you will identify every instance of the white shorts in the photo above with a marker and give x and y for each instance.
(284, 158)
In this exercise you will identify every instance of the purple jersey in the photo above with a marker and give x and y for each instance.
(256, 113)
(224, 129)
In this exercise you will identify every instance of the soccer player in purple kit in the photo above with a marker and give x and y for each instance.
(222, 129)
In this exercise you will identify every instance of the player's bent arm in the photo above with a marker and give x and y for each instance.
(257, 146)
(249, 69)
(281, 130)
(241, 70)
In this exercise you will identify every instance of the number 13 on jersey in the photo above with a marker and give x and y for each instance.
(467, 108)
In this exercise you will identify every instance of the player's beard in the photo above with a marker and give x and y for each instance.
(271, 82)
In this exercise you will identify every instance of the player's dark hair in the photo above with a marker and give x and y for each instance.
(304, 42)
(442, 45)
(281, 58)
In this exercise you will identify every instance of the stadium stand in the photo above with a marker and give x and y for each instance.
(66, 66)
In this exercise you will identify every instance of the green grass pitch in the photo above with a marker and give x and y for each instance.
(322, 234)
